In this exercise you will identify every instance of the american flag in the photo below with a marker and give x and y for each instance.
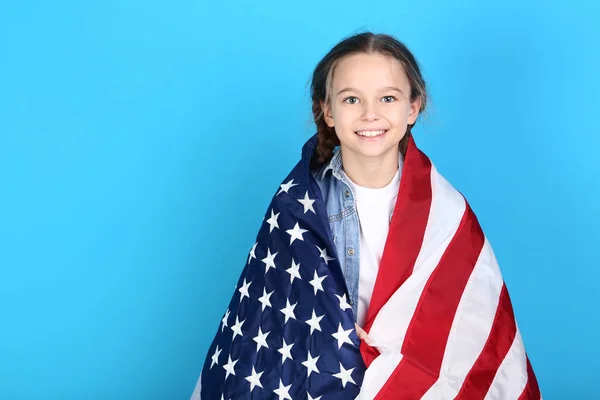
(440, 318)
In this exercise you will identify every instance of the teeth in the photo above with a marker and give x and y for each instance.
(370, 133)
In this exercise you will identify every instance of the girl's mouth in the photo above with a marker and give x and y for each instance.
(371, 134)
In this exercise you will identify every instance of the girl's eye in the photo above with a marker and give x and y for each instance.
(348, 98)
(389, 97)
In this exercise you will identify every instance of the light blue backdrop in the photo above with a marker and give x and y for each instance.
(140, 142)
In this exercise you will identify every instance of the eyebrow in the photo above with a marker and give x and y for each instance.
(351, 89)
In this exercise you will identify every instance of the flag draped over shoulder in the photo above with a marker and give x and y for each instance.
(440, 316)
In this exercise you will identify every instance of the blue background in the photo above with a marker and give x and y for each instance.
(141, 141)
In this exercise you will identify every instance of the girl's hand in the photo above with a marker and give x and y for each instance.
(363, 335)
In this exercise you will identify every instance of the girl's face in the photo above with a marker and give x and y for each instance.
(370, 106)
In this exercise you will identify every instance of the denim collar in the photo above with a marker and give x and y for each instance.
(335, 164)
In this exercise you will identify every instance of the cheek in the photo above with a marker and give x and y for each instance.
(398, 116)
(346, 118)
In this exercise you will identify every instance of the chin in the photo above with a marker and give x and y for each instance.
(372, 151)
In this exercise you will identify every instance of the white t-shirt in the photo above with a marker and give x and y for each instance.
(375, 208)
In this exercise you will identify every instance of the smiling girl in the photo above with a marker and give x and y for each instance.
(370, 275)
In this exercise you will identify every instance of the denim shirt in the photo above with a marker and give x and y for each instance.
(343, 220)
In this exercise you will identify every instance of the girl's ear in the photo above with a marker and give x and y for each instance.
(415, 107)
(327, 115)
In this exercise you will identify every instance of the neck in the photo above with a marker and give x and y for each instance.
(373, 173)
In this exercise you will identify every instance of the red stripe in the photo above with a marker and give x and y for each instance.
(405, 235)
(500, 339)
(427, 335)
(532, 390)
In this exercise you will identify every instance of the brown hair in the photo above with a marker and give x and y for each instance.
(322, 78)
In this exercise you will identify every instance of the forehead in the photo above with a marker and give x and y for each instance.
(366, 71)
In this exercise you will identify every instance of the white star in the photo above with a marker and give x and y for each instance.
(288, 311)
(261, 339)
(254, 379)
(294, 271)
(342, 336)
(286, 186)
(310, 397)
(283, 391)
(286, 351)
(311, 364)
(252, 253)
(237, 328)
(265, 299)
(343, 302)
(314, 322)
(273, 221)
(269, 260)
(296, 233)
(215, 357)
(317, 282)
(224, 320)
(244, 290)
(324, 255)
(345, 375)
(229, 367)
(307, 202)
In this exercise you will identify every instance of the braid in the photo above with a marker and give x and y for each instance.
(403, 145)
(327, 140)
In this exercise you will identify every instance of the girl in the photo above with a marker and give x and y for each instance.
(370, 275)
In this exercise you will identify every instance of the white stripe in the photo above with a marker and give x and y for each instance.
(197, 389)
(511, 378)
(390, 325)
(378, 373)
(471, 326)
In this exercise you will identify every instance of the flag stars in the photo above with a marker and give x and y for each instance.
(296, 233)
(288, 311)
(224, 321)
(315, 398)
(237, 328)
(230, 367)
(294, 271)
(345, 375)
(265, 299)
(254, 379)
(261, 339)
(215, 357)
(311, 364)
(283, 391)
(307, 202)
(272, 221)
(317, 282)
(244, 290)
(324, 256)
(286, 186)
(269, 260)
(314, 322)
(343, 302)
(286, 351)
(342, 336)
(252, 253)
